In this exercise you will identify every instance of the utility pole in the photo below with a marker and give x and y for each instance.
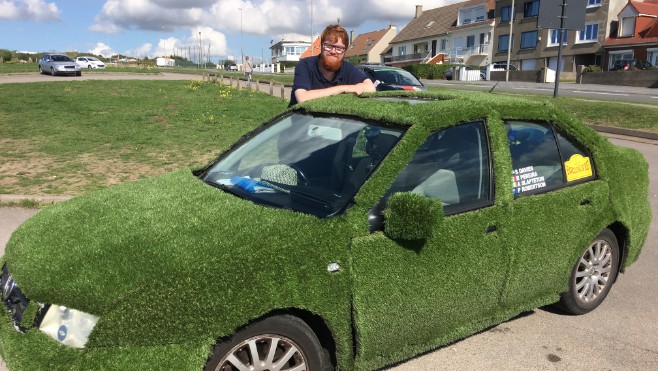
(509, 40)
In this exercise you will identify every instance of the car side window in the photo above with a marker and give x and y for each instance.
(452, 165)
(543, 158)
(578, 165)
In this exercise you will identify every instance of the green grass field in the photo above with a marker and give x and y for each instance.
(76, 136)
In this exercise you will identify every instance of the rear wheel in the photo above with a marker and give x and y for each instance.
(275, 343)
(592, 276)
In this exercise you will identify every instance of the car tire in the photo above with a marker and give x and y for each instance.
(79, 73)
(40, 70)
(592, 276)
(89, 66)
(290, 335)
(52, 71)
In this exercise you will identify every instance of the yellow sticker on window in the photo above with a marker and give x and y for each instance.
(578, 167)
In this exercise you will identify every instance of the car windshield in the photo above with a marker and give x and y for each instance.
(396, 77)
(306, 163)
(61, 58)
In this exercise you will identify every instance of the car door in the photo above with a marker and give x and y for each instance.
(410, 296)
(558, 203)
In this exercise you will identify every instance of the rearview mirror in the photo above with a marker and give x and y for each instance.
(410, 216)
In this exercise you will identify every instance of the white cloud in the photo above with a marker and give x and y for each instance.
(258, 17)
(35, 10)
(145, 50)
(275, 19)
(102, 49)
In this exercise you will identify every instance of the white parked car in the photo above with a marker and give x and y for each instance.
(89, 62)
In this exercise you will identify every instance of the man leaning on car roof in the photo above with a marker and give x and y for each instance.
(328, 73)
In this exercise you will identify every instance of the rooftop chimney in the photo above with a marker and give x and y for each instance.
(419, 11)
(351, 40)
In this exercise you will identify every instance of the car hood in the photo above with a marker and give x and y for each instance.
(90, 251)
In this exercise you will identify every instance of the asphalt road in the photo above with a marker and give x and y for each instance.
(583, 91)
(622, 334)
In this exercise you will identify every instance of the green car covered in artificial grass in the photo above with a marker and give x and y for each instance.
(348, 232)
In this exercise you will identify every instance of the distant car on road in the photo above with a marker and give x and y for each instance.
(630, 65)
(391, 78)
(232, 67)
(89, 62)
(58, 64)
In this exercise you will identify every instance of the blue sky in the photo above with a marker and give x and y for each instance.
(152, 28)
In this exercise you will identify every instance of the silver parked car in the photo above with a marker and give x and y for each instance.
(59, 64)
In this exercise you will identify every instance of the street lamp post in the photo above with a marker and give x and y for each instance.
(241, 45)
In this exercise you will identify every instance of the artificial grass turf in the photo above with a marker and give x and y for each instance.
(171, 261)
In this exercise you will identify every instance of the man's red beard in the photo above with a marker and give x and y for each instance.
(333, 64)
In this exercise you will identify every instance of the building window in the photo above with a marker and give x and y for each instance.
(619, 55)
(589, 34)
(554, 40)
(593, 3)
(470, 41)
(506, 13)
(503, 42)
(627, 28)
(531, 9)
(529, 40)
(652, 56)
(443, 44)
(402, 50)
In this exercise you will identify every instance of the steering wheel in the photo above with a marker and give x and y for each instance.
(301, 177)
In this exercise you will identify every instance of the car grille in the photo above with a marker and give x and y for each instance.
(15, 301)
(70, 67)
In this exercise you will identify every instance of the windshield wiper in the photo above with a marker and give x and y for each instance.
(225, 188)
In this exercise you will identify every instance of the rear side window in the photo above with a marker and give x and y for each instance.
(544, 159)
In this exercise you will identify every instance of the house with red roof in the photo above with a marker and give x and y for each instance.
(368, 47)
(635, 34)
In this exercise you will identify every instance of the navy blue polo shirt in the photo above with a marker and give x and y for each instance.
(309, 77)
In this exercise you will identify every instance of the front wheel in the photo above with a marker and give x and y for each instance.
(275, 343)
(52, 71)
(592, 276)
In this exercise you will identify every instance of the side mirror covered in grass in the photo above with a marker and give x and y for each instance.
(411, 216)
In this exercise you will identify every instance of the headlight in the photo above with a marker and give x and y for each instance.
(68, 326)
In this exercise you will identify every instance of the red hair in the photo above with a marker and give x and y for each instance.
(334, 32)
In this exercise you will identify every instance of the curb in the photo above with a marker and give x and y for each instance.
(41, 199)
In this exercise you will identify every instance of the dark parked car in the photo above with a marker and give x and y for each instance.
(59, 64)
(349, 232)
(630, 65)
(391, 78)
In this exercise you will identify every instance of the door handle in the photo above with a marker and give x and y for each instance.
(491, 229)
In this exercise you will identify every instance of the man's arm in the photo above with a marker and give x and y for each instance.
(363, 87)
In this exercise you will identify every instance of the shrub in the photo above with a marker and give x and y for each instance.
(592, 68)
(428, 71)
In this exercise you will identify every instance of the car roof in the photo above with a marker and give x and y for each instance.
(379, 67)
(438, 109)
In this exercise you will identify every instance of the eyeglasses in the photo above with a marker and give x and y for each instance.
(339, 49)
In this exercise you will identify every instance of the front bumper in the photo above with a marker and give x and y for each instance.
(34, 350)
(24, 346)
